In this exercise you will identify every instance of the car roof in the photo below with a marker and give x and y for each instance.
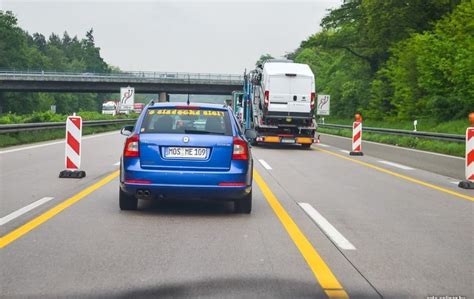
(281, 68)
(181, 104)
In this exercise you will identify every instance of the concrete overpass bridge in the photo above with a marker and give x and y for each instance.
(143, 82)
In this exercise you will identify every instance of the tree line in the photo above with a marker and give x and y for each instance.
(23, 51)
(395, 60)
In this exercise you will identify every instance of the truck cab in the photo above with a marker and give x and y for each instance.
(110, 108)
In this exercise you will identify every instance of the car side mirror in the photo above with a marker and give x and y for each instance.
(127, 130)
(250, 134)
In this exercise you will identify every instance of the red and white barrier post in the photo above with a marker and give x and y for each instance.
(469, 182)
(357, 136)
(73, 148)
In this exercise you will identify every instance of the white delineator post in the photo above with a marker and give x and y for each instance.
(356, 139)
(469, 182)
(72, 158)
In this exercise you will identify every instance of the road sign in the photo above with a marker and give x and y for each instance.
(323, 104)
(127, 97)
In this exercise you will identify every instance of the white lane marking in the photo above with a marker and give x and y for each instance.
(30, 147)
(24, 210)
(398, 147)
(265, 164)
(117, 164)
(395, 165)
(53, 143)
(100, 135)
(327, 227)
(344, 151)
(456, 183)
(322, 145)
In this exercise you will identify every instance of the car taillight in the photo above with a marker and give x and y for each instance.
(266, 98)
(313, 98)
(132, 146)
(240, 150)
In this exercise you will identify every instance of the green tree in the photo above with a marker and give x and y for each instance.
(22, 51)
(394, 59)
(263, 58)
(432, 73)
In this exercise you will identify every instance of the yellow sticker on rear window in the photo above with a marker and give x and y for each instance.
(186, 112)
(213, 113)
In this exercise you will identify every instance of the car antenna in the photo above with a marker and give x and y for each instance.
(189, 81)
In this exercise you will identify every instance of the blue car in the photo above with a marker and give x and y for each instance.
(178, 150)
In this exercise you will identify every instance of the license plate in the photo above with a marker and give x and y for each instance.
(186, 152)
(287, 140)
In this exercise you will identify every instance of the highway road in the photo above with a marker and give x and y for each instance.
(323, 224)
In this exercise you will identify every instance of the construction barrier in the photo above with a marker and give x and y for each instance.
(73, 148)
(469, 182)
(356, 139)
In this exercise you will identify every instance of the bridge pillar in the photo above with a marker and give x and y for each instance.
(163, 97)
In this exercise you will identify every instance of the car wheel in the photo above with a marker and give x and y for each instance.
(244, 205)
(127, 202)
(306, 145)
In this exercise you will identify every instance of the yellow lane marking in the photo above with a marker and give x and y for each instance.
(405, 177)
(32, 224)
(321, 271)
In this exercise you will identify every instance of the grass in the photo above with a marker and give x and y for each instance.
(25, 137)
(443, 147)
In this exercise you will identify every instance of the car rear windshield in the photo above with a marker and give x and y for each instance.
(186, 121)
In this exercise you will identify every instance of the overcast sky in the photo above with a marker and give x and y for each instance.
(183, 36)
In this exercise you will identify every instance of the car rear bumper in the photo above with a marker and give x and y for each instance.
(157, 191)
(187, 184)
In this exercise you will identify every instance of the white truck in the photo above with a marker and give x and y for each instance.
(109, 107)
(279, 102)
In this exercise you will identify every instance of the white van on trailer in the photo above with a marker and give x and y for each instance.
(288, 89)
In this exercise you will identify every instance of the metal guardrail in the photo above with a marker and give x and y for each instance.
(135, 76)
(427, 135)
(14, 128)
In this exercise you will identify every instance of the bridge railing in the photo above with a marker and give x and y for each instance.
(134, 76)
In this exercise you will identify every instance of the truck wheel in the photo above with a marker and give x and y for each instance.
(244, 204)
(306, 145)
(127, 202)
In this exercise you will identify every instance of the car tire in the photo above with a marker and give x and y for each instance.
(306, 145)
(244, 204)
(127, 202)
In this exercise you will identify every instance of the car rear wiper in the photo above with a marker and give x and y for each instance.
(188, 131)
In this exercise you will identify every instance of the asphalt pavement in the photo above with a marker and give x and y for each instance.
(323, 224)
